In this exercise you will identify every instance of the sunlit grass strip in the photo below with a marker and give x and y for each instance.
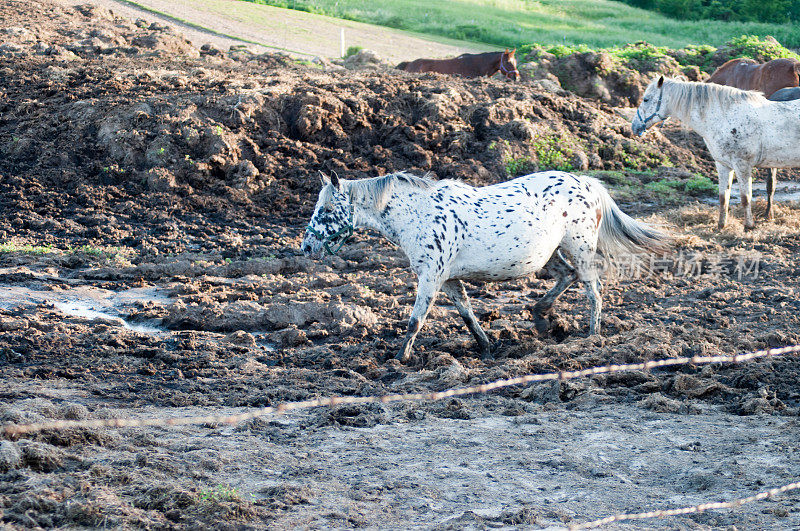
(107, 252)
(13, 247)
(597, 23)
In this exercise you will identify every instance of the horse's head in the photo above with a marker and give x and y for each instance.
(508, 64)
(651, 111)
(332, 222)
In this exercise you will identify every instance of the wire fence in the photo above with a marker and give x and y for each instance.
(686, 510)
(15, 430)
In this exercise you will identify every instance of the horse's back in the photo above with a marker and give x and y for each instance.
(739, 73)
(786, 94)
(747, 74)
(514, 227)
(779, 73)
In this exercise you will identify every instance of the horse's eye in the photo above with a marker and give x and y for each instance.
(645, 100)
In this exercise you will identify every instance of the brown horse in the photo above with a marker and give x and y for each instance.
(469, 65)
(746, 74)
(768, 78)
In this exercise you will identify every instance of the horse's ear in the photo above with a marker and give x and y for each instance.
(336, 182)
(324, 179)
(660, 81)
(513, 51)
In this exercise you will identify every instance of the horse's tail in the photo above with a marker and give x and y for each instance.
(402, 66)
(620, 233)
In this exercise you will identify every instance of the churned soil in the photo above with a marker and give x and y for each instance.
(166, 189)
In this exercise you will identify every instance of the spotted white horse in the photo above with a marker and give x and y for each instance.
(451, 232)
(742, 130)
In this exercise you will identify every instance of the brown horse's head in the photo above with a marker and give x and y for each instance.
(508, 64)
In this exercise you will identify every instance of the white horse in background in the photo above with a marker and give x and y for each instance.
(742, 129)
(451, 232)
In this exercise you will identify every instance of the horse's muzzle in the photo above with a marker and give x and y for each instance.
(310, 251)
(638, 129)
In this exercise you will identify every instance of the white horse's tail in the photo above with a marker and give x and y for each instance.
(621, 233)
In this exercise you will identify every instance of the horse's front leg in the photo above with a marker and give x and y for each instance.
(725, 179)
(772, 181)
(429, 285)
(744, 173)
(458, 294)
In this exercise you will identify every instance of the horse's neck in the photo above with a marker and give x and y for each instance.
(398, 221)
(493, 67)
(696, 118)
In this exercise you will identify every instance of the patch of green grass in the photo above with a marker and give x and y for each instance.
(220, 493)
(759, 49)
(551, 154)
(352, 50)
(665, 189)
(309, 64)
(697, 185)
(615, 178)
(700, 185)
(12, 247)
(515, 23)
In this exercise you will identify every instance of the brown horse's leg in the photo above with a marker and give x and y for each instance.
(772, 181)
(725, 178)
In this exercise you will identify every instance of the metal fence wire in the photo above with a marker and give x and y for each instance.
(15, 430)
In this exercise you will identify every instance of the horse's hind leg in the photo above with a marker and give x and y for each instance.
(772, 181)
(595, 304)
(458, 294)
(580, 250)
(565, 275)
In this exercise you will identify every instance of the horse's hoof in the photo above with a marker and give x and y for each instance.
(487, 355)
(403, 357)
(542, 324)
(748, 228)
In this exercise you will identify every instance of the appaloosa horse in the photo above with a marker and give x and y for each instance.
(469, 65)
(451, 232)
(742, 130)
(746, 74)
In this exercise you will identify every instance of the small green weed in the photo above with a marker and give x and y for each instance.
(352, 50)
(551, 155)
(220, 493)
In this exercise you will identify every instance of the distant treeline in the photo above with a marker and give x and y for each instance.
(774, 11)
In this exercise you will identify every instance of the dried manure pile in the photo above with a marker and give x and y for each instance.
(154, 197)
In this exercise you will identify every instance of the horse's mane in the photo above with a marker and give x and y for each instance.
(686, 95)
(376, 191)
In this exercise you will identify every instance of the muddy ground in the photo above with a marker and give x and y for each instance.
(153, 200)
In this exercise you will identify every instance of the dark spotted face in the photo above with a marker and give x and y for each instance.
(327, 228)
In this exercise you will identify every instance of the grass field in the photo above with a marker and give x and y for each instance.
(597, 23)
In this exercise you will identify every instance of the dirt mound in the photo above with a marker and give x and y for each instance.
(136, 111)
